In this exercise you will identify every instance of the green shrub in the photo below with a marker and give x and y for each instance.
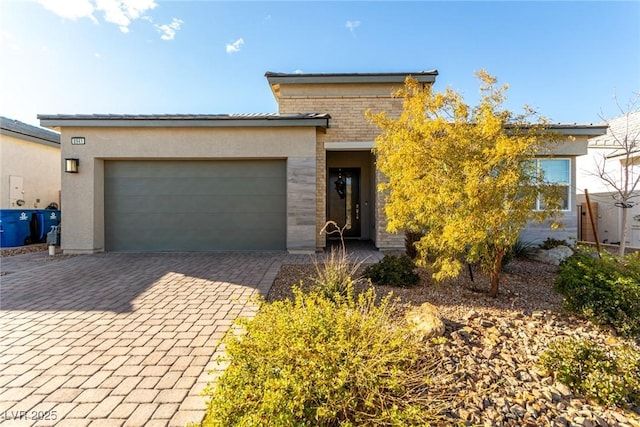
(606, 290)
(610, 375)
(334, 274)
(520, 249)
(394, 271)
(322, 361)
(551, 243)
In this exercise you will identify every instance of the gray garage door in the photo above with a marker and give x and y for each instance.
(195, 205)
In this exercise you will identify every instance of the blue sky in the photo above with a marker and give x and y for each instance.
(566, 59)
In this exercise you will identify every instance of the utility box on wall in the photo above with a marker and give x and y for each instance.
(16, 191)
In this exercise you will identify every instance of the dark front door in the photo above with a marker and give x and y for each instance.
(344, 199)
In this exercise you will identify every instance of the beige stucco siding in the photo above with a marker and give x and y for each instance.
(574, 146)
(189, 142)
(37, 164)
(83, 196)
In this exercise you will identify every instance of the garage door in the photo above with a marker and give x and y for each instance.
(195, 205)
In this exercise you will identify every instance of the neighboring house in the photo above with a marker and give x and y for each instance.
(30, 166)
(608, 214)
(248, 182)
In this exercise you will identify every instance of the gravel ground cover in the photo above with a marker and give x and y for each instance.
(492, 346)
(7, 252)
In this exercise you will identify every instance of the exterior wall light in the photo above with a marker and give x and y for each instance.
(71, 165)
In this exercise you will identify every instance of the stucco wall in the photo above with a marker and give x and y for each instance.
(586, 170)
(538, 232)
(38, 164)
(83, 195)
(574, 146)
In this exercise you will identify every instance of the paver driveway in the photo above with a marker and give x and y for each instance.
(119, 339)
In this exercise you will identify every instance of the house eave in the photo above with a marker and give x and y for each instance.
(221, 121)
(589, 130)
(26, 132)
(286, 78)
(30, 138)
(579, 130)
(622, 155)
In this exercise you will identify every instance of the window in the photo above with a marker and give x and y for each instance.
(556, 172)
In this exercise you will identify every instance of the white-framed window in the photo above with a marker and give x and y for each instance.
(556, 172)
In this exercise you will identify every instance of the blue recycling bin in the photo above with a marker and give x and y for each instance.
(47, 218)
(15, 227)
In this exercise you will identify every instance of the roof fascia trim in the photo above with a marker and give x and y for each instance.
(576, 130)
(580, 130)
(30, 138)
(621, 156)
(320, 79)
(177, 123)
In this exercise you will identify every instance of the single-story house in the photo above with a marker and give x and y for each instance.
(29, 165)
(248, 181)
(605, 204)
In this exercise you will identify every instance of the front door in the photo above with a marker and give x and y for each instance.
(344, 199)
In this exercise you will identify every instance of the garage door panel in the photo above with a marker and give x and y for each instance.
(203, 237)
(194, 168)
(232, 205)
(185, 204)
(139, 224)
(195, 186)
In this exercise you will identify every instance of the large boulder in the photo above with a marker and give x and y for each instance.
(553, 256)
(425, 321)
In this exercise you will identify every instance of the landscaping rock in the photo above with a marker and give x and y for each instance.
(499, 367)
(553, 256)
(491, 347)
(426, 321)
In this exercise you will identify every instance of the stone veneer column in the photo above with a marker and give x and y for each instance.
(321, 191)
(301, 204)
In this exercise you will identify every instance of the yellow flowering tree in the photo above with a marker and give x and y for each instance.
(464, 176)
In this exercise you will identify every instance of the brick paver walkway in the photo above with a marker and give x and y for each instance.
(119, 339)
